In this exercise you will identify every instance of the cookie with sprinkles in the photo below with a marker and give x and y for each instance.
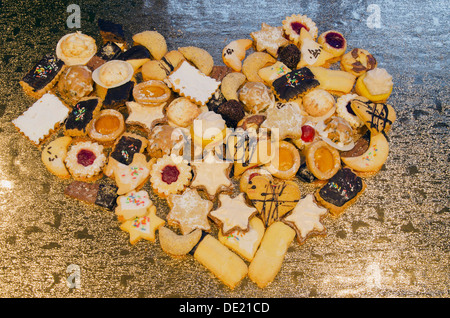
(42, 76)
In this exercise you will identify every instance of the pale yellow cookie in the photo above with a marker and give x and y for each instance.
(269, 39)
(228, 267)
(245, 243)
(269, 257)
(54, 154)
(234, 53)
(337, 82)
(133, 204)
(154, 41)
(181, 112)
(178, 245)
(199, 57)
(143, 227)
(272, 72)
(312, 53)
(254, 62)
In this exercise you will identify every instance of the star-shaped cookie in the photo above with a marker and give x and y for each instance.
(233, 213)
(211, 174)
(133, 204)
(144, 116)
(269, 38)
(189, 211)
(306, 218)
(143, 227)
(284, 119)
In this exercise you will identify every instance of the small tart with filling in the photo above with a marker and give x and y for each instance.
(107, 126)
(85, 160)
(345, 111)
(170, 175)
(151, 93)
(322, 160)
(285, 162)
(76, 48)
(294, 24)
(333, 42)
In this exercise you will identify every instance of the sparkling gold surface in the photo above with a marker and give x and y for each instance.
(394, 242)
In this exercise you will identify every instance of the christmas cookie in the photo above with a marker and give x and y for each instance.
(345, 111)
(232, 111)
(306, 218)
(336, 132)
(42, 118)
(376, 85)
(336, 82)
(245, 243)
(100, 194)
(234, 53)
(189, 211)
(371, 161)
(80, 118)
(211, 175)
(76, 48)
(284, 121)
(178, 245)
(378, 117)
(228, 267)
(294, 84)
(312, 53)
(85, 160)
(54, 154)
(272, 72)
(272, 199)
(145, 116)
(233, 213)
(249, 174)
(170, 174)
(199, 57)
(286, 161)
(143, 227)
(152, 93)
(334, 42)
(133, 204)
(269, 257)
(341, 191)
(42, 76)
(191, 83)
(165, 140)
(358, 61)
(295, 23)
(231, 84)
(269, 39)
(137, 55)
(319, 104)
(254, 62)
(181, 112)
(154, 41)
(75, 83)
(107, 126)
(322, 160)
(256, 97)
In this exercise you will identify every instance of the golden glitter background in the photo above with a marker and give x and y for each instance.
(394, 242)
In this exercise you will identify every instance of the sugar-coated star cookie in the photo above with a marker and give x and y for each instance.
(143, 227)
(211, 174)
(269, 39)
(233, 213)
(306, 219)
(189, 211)
(285, 119)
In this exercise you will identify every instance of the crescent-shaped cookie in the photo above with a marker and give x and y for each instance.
(234, 53)
(373, 159)
(178, 245)
(254, 62)
(153, 41)
(231, 84)
(199, 57)
(54, 154)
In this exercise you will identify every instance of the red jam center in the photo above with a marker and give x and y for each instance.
(297, 27)
(335, 40)
(308, 133)
(85, 157)
(170, 174)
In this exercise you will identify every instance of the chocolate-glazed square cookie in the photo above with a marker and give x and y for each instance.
(340, 191)
(294, 84)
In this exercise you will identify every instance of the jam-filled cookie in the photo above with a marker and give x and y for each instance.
(107, 126)
(170, 175)
(85, 160)
(295, 23)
